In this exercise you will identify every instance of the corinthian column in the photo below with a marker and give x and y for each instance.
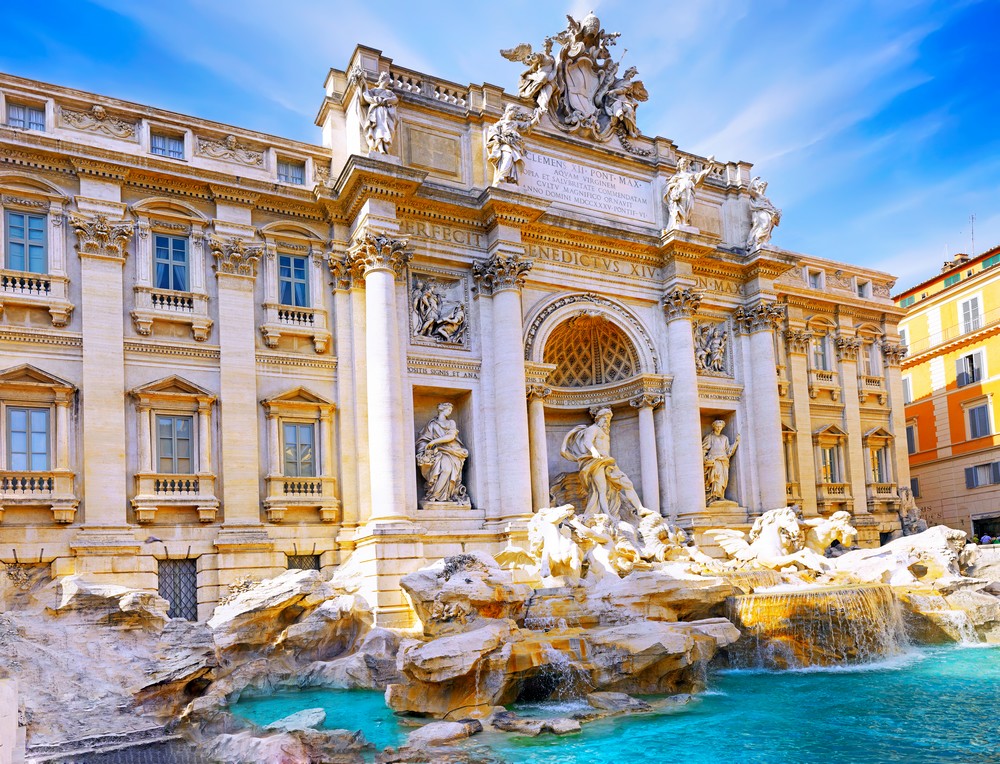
(679, 305)
(764, 412)
(648, 463)
(380, 260)
(501, 277)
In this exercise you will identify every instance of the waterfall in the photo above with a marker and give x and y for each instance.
(817, 626)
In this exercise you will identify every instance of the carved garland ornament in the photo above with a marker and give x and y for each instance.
(96, 236)
(235, 258)
(499, 273)
(230, 149)
(99, 121)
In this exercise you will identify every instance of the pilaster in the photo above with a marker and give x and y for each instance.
(648, 461)
(847, 355)
(797, 347)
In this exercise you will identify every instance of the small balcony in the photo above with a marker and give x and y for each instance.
(52, 489)
(170, 306)
(292, 321)
(824, 381)
(37, 290)
(156, 491)
(792, 493)
(882, 495)
(832, 496)
(284, 493)
(874, 386)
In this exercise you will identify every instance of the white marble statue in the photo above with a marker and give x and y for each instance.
(764, 216)
(441, 457)
(680, 191)
(821, 532)
(717, 452)
(505, 144)
(710, 347)
(551, 544)
(622, 98)
(379, 110)
(538, 81)
(604, 482)
(776, 540)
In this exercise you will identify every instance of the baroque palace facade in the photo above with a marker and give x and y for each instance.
(950, 380)
(226, 353)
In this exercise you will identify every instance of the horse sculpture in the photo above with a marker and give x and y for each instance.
(775, 541)
(821, 532)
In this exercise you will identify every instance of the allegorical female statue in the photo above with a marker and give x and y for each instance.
(680, 191)
(441, 457)
(380, 118)
(717, 452)
(506, 144)
(764, 216)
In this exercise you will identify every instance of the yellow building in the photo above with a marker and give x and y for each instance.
(951, 378)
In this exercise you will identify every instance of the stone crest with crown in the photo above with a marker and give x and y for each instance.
(580, 88)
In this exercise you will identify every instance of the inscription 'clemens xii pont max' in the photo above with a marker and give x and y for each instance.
(588, 187)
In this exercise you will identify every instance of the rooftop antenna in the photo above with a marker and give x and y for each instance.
(972, 229)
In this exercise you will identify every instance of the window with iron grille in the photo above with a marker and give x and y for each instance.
(303, 562)
(178, 584)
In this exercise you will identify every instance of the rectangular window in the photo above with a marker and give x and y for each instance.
(880, 466)
(299, 453)
(291, 172)
(915, 487)
(953, 279)
(969, 369)
(904, 337)
(864, 289)
(911, 439)
(907, 390)
(26, 242)
(303, 562)
(166, 145)
(830, 467)
(907, 301)
(821, 359)
(28, 439)
(970, 316)
(982, 474)
(293, 280)
(816, 280)
(979, 420)
(872, 360)
(989, 262)
(177, 582)
(171, 262)
(174, 437)
(27, 117)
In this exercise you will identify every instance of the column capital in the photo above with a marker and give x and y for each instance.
(234, 258)
(375, 252)
(645, 401)
(500, 272)
(847, 348)
(759, 317)
(797, 341)
(893, 352)
(96, 237)
(538, 392)
(681, 302)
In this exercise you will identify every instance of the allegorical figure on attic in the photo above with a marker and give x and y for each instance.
(681, 189)
(380, 116)
(506, 144)
(764, 216)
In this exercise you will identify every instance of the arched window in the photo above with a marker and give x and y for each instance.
(590, 350)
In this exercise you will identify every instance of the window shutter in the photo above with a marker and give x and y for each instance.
(995, 473)
(970, 477)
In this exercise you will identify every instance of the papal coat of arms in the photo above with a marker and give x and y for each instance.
(579, 87)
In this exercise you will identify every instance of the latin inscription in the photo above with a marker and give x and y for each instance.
(709, 284)
(589, 187)
(602, 263)
(438, 232)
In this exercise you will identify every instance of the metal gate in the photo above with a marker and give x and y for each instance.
(303, 562)
(178, 583)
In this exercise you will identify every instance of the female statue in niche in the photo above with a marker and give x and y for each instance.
(717, 452)
(441, 457)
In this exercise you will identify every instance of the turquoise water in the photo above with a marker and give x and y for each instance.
(928, 707)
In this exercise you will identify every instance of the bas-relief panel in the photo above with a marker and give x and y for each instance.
(438, 308)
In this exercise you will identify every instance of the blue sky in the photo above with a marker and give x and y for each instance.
(875, 123)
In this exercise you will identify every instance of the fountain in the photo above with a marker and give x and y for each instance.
(793, 627)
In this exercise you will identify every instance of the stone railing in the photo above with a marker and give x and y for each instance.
(870, 385)
(319, 493)
(170, 306)
(156, 490)
(822, 380)
(287, 320)
(833, 493)
(37, 290)
(47, 488)
(405, 81)
(882, 492)
(792, 492)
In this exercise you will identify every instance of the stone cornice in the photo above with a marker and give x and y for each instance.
(499, 273)
(234, 194)
(500, 206)
(364, 178)
(96, 237)
(99, 169)
(681, 302)
(619, 393)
